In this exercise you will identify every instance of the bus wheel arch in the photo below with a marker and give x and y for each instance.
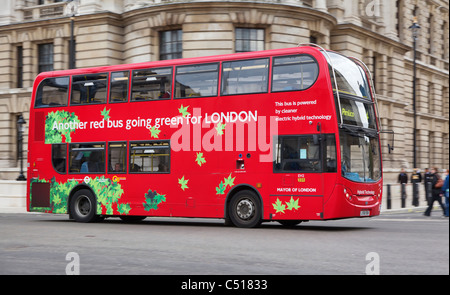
(82, 204)
(248, 197)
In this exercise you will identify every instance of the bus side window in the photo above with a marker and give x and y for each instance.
(151, 84)
(119, 87)
(59, 157)
(197, 80)
(117, 157)
(331, 155)
(150, 157)
(52, 92)
(89, 89)
(245, 76)
(290, 73)
(87, 158)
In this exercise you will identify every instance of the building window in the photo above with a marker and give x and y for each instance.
(45, 56)
(19, 66)
(249, 39)
(170, 44)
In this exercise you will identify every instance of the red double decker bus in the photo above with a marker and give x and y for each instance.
(285, 135)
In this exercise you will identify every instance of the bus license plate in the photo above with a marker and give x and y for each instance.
(364, 213)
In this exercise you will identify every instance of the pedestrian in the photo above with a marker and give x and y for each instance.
(416, 177)
(402, 177)
(435, 192)
(445, 193)
(428, 179)
(403, 180)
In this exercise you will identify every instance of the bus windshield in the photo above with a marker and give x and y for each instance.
(359, 142)
(360, 156)
(350, 77)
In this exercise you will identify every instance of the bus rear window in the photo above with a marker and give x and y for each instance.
(245, 76)
(151, 84)
(89, 89)
(196, 80)
(292, 73)
(52, 92)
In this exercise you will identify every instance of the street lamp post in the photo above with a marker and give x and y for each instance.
(71, 10)
(20, 128)
(415, 33)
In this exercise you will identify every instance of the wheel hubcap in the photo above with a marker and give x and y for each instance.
(245, 209)
(83, 206)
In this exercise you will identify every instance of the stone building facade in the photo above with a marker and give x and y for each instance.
(35, 35)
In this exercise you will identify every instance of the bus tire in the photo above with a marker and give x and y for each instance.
(83, 206)
(245, 209)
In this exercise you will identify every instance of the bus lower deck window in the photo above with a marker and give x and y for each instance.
(150, 157)
(87, 158)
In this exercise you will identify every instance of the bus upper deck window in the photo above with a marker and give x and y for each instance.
(196, 80)
(89, 89)
(119, 87)
(245, 76)
(151, 84)
(290, 73)
(52, 92)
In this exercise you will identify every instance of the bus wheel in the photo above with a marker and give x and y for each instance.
(83, 206)
(245, 209)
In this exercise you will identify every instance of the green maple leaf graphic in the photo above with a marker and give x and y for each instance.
(105, 114)
(183, 111)
(159, 198)
(292, 204)
(220, 190)
(154, 132)
(200, 159)
(124, 208)
(183, 182)
(229, 181)
(278, 206)
(152, 200)
(220, 128)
